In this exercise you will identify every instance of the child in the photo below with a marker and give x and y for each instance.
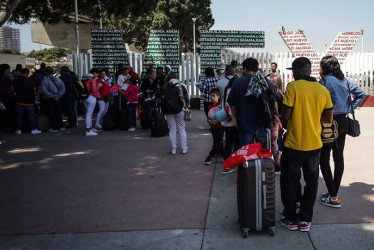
(216, 127)
(131, 93)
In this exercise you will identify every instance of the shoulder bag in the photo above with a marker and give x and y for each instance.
(187, 112)
(354, 125)
(329, 129)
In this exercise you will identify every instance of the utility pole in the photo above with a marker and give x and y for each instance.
(77, 37)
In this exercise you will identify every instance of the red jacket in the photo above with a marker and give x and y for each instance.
(131, 93)
(92, 87)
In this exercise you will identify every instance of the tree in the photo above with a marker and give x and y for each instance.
(48, 55)
(10, 6)
(10, 51)
(140, 18)
(135, 18)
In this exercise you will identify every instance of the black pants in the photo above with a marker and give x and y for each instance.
(291, 163)
(232, 141)
(217, 142)
(337, 147)
(54, 112)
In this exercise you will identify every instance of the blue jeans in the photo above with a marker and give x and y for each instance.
(249, 137)
(30, 113)
(71, 106)
(132, 107)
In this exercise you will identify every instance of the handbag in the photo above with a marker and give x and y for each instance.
(329, 131)
(353, 124)
(187, 112)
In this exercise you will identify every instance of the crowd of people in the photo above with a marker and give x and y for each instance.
(294, 132)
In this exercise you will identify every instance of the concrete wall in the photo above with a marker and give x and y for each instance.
(12, 60)
(63, 35)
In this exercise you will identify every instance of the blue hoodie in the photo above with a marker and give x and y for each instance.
(340, 96)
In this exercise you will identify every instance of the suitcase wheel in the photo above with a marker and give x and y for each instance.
(272, 231)
(245, 232)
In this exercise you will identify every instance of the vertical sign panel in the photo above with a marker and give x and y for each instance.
(163, 49)
(343, 44)
(108, 49)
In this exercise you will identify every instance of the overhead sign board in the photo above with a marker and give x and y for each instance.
(212, 41)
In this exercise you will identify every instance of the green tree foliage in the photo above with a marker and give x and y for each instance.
(135, 18)
(48, 55)
(53, 11)
(139, 19)
(10, 51)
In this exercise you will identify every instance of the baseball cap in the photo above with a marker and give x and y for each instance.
(168, 66)
(300, 63)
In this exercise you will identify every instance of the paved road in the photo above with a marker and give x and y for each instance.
(123, 190)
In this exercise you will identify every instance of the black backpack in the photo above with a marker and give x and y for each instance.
(170, 100)
(79, 90)
(269, 97)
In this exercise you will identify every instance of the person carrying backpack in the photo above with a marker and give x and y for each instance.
(247, 104)
(172, 108)
(68, 101)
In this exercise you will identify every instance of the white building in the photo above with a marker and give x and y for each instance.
(10, 38)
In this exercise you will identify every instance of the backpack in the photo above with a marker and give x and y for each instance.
(270, 98)
(79, 90)
(170, 100)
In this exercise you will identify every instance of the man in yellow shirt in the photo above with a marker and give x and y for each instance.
(306, 103)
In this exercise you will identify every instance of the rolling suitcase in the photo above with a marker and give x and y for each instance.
(256, 193)
(159, 124)
(256, 196)
(123, 121)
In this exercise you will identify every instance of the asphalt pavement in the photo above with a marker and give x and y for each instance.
(124, 190)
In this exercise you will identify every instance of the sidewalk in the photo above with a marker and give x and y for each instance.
(122, 190)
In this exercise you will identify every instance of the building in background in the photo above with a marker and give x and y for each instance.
(10, 38)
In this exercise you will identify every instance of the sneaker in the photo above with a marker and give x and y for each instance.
(304, 226)
(327, 195)
(18, 132)
(277, 170)
(62, 129)
(229, 171)
(99, 126)
(289, 224)
(94, 130)
(131, 129)
(173, 151)
(208, 161)
(331, 202)
(53, 130)
(35, 132)
(91, 133)
(185, 151)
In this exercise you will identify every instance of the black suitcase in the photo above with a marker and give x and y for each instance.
(109, 121)
(123, 120)
(159, 124)
(256, 196)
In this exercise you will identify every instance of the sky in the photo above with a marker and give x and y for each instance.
(321, 21)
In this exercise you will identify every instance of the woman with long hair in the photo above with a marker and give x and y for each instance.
(333, 78)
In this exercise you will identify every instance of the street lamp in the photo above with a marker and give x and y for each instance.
(77, 38)
(194, 50)
(362, 41)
